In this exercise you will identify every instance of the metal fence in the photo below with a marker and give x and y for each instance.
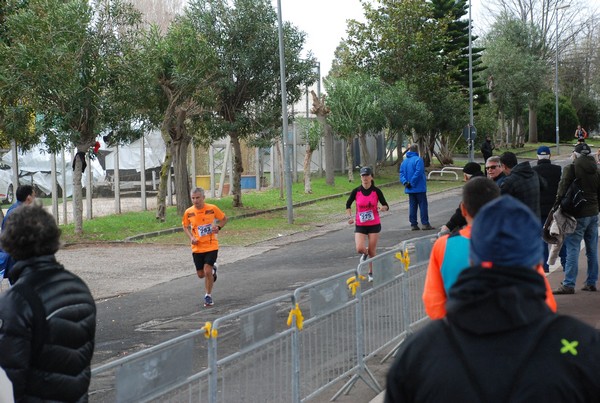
(288, 349)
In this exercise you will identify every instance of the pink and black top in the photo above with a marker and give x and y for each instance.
(366, 205)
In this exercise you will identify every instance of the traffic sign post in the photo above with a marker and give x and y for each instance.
(470, 133)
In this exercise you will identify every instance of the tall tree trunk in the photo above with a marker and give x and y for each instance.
(365, 157)
(513, 133)
(279, 147)
(399, 141)
(77, 190)
(350, 159)
(321, 110)
(307, 159)
(533, 130)
(165, 171)
(177, 140)
(237, 170)
(328, 149)
(182, 181)
(502, 129)
(520, 131)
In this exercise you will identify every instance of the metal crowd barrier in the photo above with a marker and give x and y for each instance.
(333, 328)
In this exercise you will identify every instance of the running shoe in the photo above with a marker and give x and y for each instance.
(364, 257)
(370, 277)
(215, 272)
(208, 301)
(564, 289)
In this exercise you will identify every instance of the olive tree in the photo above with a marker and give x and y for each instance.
(244, 35)
(71, 61)
(354, 101)
(179, 68)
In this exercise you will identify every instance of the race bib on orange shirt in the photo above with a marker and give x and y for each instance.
(204, 230)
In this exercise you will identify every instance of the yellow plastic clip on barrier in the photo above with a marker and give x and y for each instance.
(404, 258)
(299, 318)
(353, 284)
(209, 331)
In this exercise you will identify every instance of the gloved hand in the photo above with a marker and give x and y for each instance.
(443, 231)
(407, 185)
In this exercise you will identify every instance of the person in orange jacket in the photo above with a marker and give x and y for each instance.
(450, 253)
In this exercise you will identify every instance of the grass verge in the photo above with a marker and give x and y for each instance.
(326, 204)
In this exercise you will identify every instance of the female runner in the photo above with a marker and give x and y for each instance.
(368, 225)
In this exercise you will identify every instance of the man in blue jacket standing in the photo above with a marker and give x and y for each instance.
(412, 176)
(25, 196)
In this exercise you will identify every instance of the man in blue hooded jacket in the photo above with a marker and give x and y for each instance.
(412, 176)
(25, 196)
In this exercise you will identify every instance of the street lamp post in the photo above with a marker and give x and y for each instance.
(556, 76)
(471, 118)
(284, 118)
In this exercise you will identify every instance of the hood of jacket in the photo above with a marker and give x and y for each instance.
(23, 267)
(543, 162)
(586, 164)
(486, 301)
(523, 169)
(410, 154)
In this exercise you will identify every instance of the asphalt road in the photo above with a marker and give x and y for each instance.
(129, 322)
(147, 294)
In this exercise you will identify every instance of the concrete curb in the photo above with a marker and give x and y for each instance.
(254, 214)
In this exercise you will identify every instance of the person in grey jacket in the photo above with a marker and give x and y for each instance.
(583, 168)
(48, 316)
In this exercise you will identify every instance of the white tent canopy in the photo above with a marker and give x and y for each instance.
(35, 165)
(130, 155)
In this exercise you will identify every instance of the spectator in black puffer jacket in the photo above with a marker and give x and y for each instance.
(521, 182)
(48, 318)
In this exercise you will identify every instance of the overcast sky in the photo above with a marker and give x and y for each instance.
(324, 21)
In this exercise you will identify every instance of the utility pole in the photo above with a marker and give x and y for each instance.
(284, 116)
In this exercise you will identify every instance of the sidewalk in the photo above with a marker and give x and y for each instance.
(583, 305)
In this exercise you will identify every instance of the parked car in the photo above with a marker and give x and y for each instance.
(6, 187)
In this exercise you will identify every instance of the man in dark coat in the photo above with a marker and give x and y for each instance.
(499, 342)
(551, 174)
(487, 148)
(48, 317)
(521, 182)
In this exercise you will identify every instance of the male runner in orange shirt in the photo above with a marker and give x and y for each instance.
(201, 223)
